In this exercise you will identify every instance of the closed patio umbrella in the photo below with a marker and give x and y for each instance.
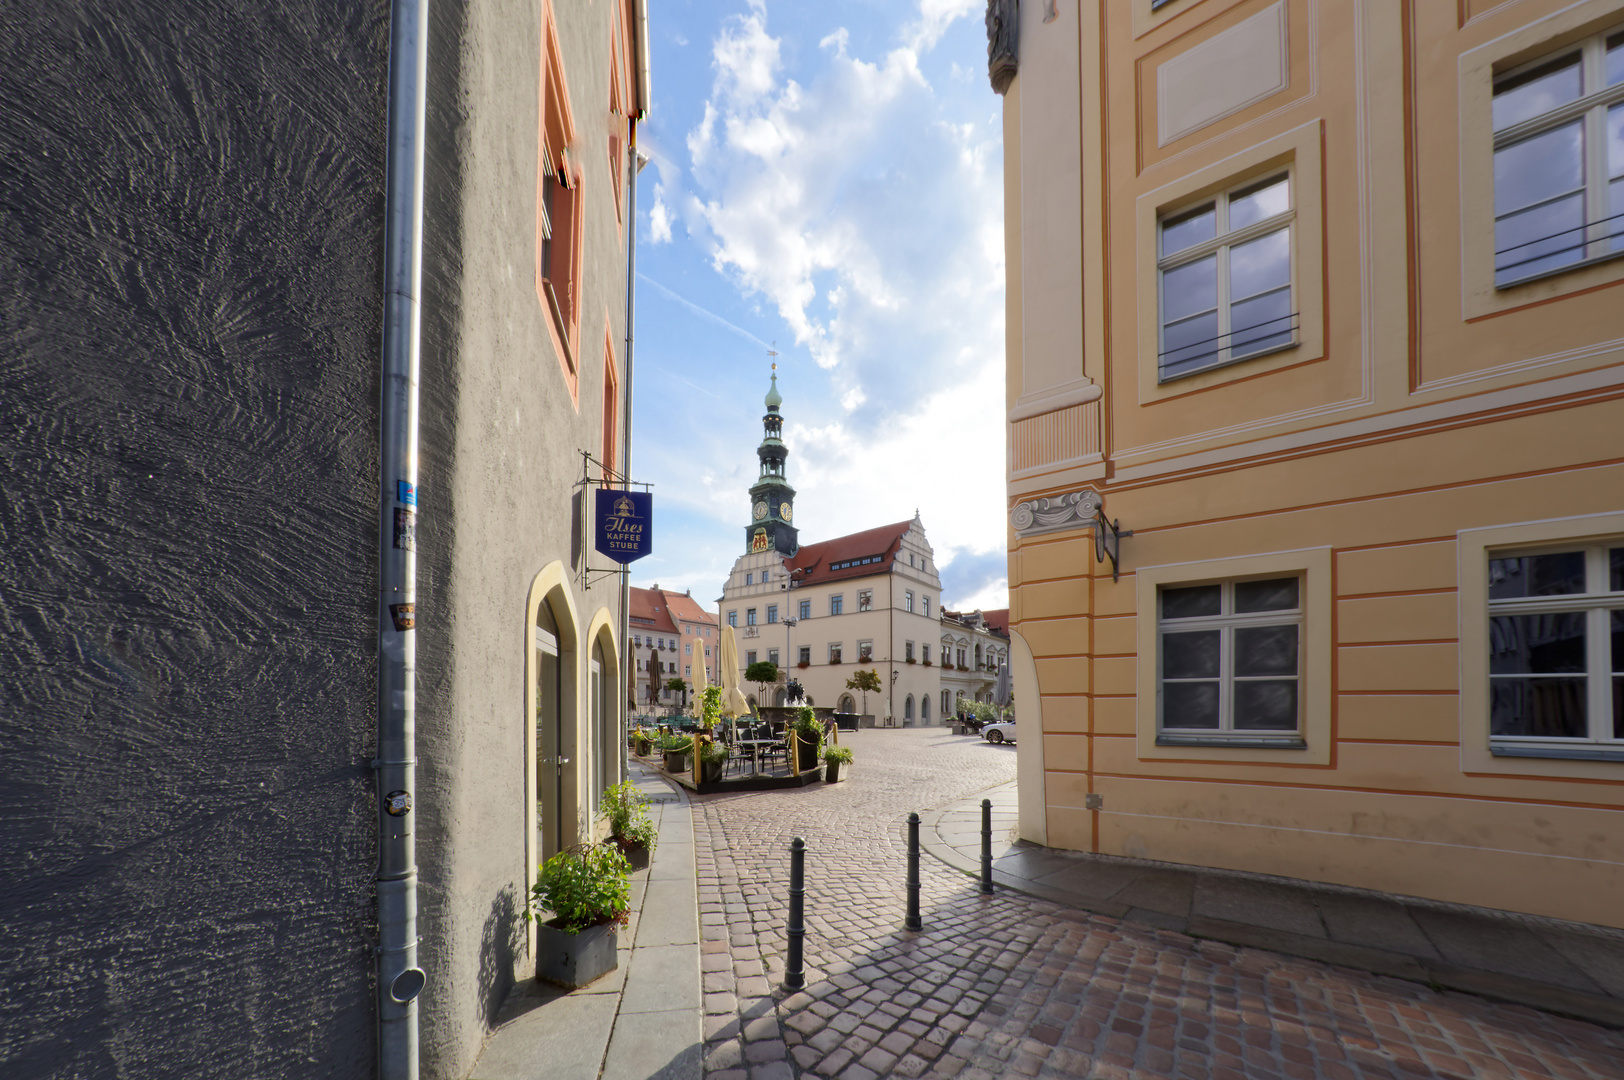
(734, 704)
(1001, 688)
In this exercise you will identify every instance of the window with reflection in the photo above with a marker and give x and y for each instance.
(1225, 275)
(548, 717)
(1230, 660)
(1556, 648)
(1559, 160)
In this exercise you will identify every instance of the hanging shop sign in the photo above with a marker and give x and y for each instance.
(625, 518)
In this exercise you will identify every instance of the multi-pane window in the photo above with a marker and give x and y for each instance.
(926, 649)
(907, 650)
(772, 656)
(834, 653)
(1231, 659)
(749, 657)
(772, 614)
(865, 599)
(1556, 648)
(749, 616)
(1559, 160)
(1225, 273)
(806, 609)
(907, 600)
(865, 651)
(733, 618)
(750, 578)
(805, 655)
(837, 603)
(926, 601)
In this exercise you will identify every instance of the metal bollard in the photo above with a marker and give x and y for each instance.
(986, 845)
(795, 974)
(913, 922)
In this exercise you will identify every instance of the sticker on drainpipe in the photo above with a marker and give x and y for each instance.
(405, 493)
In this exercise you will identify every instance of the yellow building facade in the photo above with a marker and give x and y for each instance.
(1320, 299)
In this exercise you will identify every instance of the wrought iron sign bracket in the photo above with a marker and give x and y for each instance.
(1108, 539)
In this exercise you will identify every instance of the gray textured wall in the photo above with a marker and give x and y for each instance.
(189, 333)
(500, 442)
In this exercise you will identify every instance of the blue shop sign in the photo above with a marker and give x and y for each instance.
(625, 518)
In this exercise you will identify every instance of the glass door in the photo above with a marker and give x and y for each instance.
(549, 761)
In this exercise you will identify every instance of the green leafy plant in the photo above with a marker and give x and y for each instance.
(626, 810)
(586, 885)
(713, 753)
(763, 673)
(865, 682)
(839, 755)
(807, 725)
(710, 708)
(674, 744)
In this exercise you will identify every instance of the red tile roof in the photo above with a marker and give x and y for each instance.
(997, 620)
(683, 607)
(650, 611)
(862, 554)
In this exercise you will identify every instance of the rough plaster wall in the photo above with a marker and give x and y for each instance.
(188, 353)
(500, 440)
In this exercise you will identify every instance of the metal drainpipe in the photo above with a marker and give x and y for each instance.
(400, 980)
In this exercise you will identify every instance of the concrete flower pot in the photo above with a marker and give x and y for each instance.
(574, 960)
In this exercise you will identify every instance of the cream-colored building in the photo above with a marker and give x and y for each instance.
(1321, 300)
(823, 611)
(973, 645)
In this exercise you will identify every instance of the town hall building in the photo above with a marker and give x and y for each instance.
(821, 612)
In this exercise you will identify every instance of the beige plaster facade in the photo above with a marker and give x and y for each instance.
(1424, 421)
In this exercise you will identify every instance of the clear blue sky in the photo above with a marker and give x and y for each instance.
(826, 177)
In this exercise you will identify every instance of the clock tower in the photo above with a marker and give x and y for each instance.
(772, 500)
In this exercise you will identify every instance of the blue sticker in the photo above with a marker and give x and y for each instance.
(405, 493)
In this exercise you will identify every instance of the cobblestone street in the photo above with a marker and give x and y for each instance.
(1013, 986)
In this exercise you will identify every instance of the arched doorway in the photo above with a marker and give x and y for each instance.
(551, 755)
(848, 704)
(908, 710)
(947, 703)
(780, 696)
(924, 708)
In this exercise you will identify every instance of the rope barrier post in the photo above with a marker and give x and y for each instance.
(914, 922)
(794, 973)
(986, 845)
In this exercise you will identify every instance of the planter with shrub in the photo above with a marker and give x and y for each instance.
(630, 828)
(587, 891)
(712, 760)
(835, 761)
(806, 736)
(676, 749)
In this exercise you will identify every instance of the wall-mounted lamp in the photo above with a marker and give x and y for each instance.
(1108, 539)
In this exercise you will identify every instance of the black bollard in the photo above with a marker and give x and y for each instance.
(794, 974)
(986, 845)
(913, 922)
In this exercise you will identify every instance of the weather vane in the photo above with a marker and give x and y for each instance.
(773, 352)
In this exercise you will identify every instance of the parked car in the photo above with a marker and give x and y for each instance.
(999, 732)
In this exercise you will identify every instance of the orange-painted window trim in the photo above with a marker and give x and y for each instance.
(611, 404)
(558, 229)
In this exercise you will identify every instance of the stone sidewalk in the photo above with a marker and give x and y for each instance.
(1016, 985)
(642, 1020)
(1547, 963)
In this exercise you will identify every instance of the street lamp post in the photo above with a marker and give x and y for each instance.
(789, 650)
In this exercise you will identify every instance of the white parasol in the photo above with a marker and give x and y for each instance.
(734, 704)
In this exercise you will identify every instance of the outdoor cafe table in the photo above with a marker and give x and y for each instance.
(755, 746)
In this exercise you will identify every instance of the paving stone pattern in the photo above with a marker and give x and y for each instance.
(1014, 986)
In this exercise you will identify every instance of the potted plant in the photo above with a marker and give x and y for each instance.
(645, 742)
(712, 759)
(803, 664)
(587, 891)
(676, 749)
(835, 759)
(630, 827)
(806, 734)
(910, 660)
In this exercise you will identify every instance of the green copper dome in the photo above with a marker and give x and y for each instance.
(773, 398)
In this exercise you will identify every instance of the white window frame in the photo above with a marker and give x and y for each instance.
(1596, 604)
(865, 599)
(772, 657)
(1226, 623)
(835, 651)
(804, 655)
(1591, 109)
(907, 600)
(837, 604)
(865, 647)
(806, 609)
(1223, 239)
(772, 614)
(733, 619)
(749, 616)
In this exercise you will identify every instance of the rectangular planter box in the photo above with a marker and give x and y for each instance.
(676, 763)
(575, 959)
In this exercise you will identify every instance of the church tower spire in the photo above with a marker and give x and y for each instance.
(772, 500)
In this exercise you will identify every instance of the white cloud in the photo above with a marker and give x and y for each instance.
(659, 217)
(864, 207)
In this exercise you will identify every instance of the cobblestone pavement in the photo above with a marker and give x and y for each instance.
(1013, 986)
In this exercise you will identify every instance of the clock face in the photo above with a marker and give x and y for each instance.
(784, 511)
(761, 510)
